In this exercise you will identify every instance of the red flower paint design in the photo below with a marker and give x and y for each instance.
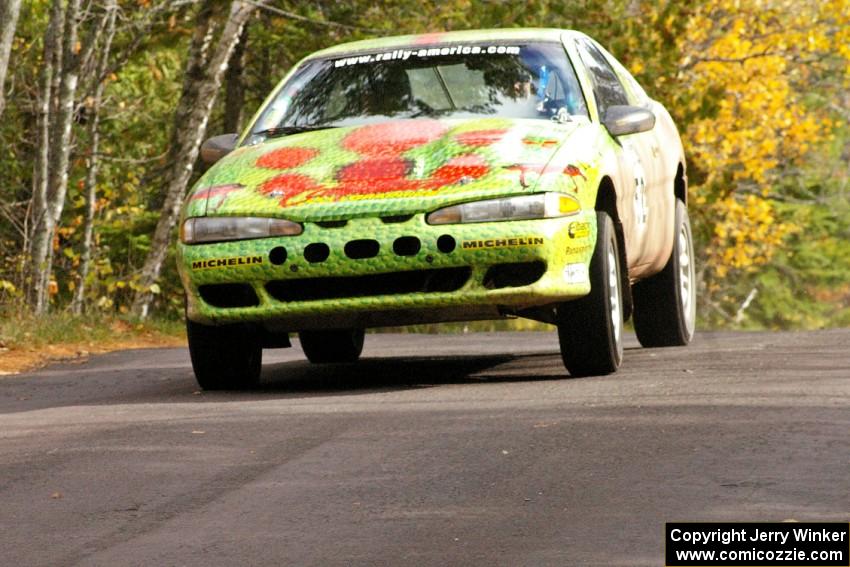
(382, 169)
(215, 191)
(469, 166)
(573, 171)
(393, 138)
(428, 38)
(288, 185)
(524, 168)
(379, 175)
(542, 142)
(287, 158)
(374, 169)
(478, 138)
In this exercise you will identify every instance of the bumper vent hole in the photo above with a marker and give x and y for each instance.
(316, 252)
(229, 295)
(513, 275)
(360, 249)
(446, 244)
(277, 256)
(393, 283)
(332, 223)
(396, 219)
(407, 246)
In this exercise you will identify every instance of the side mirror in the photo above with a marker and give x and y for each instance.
(622, 120)
(217, 147)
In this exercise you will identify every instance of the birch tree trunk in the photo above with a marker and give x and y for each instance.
(59, 153)
(9, 10)
(38, 240)
(77, 303)
(205, 69)
(234, 91)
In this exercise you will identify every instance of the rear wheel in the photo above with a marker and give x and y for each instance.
(665, 304)
(590, 329)
(224, 358)
(337, 345)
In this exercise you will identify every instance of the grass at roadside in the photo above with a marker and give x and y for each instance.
(473, 327)
(27, 342)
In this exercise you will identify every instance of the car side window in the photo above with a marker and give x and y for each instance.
(636, 93)
(607, 88)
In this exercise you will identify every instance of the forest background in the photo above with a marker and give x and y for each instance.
(104, 104)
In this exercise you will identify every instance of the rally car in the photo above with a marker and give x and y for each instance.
(440, 177)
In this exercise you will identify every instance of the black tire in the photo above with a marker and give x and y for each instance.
(224, 358)
(337, 345)
(665, 304)
(590, 329)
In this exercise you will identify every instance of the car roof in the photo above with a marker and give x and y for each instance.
(441, 38)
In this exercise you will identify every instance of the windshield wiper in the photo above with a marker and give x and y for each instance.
(288, 130)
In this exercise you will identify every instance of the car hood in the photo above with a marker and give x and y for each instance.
(390, 168)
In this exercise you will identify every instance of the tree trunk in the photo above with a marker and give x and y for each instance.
(9, 10)
(39, 242)
(91, 175)
(204, 73)
(59, 153)
(234, 93)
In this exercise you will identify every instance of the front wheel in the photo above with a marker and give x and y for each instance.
(224, 358)
(665, 304)
(337, 345)
(590, 329)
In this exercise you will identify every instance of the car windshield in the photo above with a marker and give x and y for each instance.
(531, 80)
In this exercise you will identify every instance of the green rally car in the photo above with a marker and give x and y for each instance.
(440, 177)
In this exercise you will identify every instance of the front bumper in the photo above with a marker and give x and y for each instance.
(385, 271)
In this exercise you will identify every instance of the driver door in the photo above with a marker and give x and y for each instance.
(637, 160)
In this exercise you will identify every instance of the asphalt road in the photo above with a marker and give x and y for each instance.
(433, 450)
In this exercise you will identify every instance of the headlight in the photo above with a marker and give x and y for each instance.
(217, 229)
(540, 206)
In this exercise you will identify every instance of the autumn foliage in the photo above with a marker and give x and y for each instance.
(759, 89)
(759, 81)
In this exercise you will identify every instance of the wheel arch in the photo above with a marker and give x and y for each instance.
(606, 200)
(680, 184)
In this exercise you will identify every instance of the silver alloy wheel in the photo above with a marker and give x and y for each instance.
(614, 293)
(687, 277)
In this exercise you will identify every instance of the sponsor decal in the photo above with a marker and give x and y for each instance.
(578, 249)
(578, 229)
(511, 242)
(423, 53)
(226, 262)
(575, 273)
